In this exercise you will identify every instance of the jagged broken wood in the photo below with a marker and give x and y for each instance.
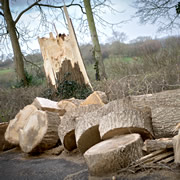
(12, 131)
(113, 154)
(62, 57)
(125, 121)
(176, 145)
(40, 132)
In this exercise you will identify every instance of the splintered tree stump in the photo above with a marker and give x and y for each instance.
(87, 132)
(113, 154)
(40, 132)
(62, 58)
(66, 129)
(96, 97)
(4, 145)
(165, 109)
(48, 105)
(126, 121)
(12, 131)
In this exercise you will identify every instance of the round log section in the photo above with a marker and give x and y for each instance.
(66, 129)
(12, 131)
(4, 145)
(126, 121)
(40, 132)
(87, 131)
(113, 154)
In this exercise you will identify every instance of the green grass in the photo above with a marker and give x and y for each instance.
(5, 71)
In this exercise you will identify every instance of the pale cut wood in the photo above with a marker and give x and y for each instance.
(87, 132)
(69, 104)
(66, 129)
(97, 97)
(113, 154)
(176, 147)
(62, 57)
(167, 160)
(4, 145)
(126, 120)
(12, 131)
(165, 109)
(48, 105)
(157, 144)
(40, 132)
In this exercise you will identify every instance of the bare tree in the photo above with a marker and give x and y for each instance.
(164, 12)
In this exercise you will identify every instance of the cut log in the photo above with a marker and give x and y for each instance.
(157, 144)
(96, 97)
(113, 154)
(69, 104)
(176, 147)
(62, 57)
(48, 105)
(40, 132)
(66, 129)
(165, 109)
(87, 131)
(12, 131)
(4, 145)
(126, 121)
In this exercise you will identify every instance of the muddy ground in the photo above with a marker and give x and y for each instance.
(15, 165)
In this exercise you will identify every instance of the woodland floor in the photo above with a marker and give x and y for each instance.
(15, 165)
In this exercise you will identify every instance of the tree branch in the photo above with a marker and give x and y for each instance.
(32, 5)
(1, 14)
(53, 6)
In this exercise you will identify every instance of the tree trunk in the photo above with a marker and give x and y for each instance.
(165, 110)
(113, 154)
(97, 49)
(18, 59)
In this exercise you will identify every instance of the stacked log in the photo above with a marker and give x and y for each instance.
(40, 132)
(4, 145)
(12, 131)
(125, 121)
(66, 129)
(113, 154)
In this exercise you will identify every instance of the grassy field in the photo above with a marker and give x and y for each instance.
(6, 71)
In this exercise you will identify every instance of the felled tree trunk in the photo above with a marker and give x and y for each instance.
(40, 132)
(12, 131)
(66, 129)
(113, 154)
(127, 120)
(165, 109)
(62, 58)
(4, 145)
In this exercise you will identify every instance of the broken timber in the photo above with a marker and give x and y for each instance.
(62, 57)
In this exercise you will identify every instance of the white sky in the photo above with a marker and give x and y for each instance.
(132, 28)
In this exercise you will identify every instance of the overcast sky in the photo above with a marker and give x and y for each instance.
(132, 28)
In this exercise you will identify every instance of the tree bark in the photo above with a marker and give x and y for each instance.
(18, 59)
(96, 45)
(165, 110)
(125, 121)
(113, 154)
